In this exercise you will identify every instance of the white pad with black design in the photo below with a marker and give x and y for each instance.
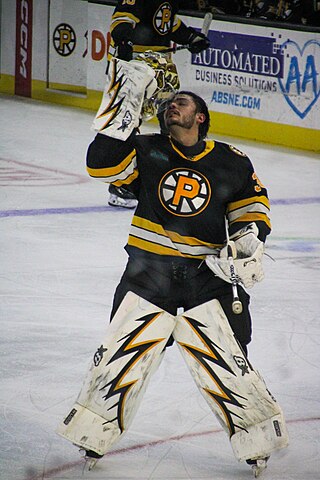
(128, 84)
(119, 373)
(233, 389)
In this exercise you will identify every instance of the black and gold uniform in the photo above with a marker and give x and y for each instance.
(184, 194)
(148, 25)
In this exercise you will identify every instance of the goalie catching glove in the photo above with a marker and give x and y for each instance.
(247, 252)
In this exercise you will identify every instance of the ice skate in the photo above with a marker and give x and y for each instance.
(91, 458)
(258, 465)
(120, 197)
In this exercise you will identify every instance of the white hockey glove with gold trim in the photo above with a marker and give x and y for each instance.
(247, 252)
(128, 85)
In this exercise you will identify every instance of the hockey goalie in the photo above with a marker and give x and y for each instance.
(195, 246)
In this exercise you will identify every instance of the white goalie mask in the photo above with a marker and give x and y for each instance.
(167, 79)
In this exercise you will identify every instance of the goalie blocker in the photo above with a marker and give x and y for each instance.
(132, 351)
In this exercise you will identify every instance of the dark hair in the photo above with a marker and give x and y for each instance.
(201, 108)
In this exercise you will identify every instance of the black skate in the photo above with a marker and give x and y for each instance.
(121, 197)
(91, 458)
(258, 465)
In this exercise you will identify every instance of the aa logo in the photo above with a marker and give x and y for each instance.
(301, 80)
(64, 39)
(184, 192)
(162, 18)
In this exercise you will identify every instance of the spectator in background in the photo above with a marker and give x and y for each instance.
(293, 11)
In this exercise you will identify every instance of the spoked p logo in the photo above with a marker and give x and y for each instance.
(64, 39)
(184, 192)
(162, 18)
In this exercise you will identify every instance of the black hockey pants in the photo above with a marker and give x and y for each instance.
(182, 283)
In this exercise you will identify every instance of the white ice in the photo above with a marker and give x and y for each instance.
(60, 263)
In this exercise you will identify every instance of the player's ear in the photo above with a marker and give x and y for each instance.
(201, 117)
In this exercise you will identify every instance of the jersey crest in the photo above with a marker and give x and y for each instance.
(184, 192)
(162, 19)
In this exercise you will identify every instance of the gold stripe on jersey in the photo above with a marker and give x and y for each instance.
(251, 209)
(123, 17)
(176, 24)
(153, 248)
(209, 146)
(253, 217)
(159, 249)
(154, 48)
(247, 201)
(128, 180)
(155, 236)
(121, 172)
(157, 228)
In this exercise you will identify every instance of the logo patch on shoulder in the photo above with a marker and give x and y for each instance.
(162, 18)
(237, 151)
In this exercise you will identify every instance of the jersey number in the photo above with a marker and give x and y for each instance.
(259, 185)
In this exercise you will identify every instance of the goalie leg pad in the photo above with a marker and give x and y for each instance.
(118, 375)
(259, 440)
(235, 392)
(128, 83)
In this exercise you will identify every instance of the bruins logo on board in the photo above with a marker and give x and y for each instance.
(184, 192)
(64, 39)
(162, 18)
(237, 151)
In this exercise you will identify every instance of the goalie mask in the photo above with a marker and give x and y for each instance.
(167, 79)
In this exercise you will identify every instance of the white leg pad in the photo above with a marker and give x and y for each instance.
(261, 439)
(118, 375)
(235, 391)
(128, 83)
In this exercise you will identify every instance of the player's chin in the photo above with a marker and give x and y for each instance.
(172, 121)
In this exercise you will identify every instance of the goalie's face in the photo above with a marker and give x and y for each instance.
(182, 112)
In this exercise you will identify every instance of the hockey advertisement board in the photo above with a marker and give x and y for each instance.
(258, 72)
(67, 45)
(23, 56)
(267, 74)
(254, 78)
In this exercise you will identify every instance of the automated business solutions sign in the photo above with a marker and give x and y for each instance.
(268, 75)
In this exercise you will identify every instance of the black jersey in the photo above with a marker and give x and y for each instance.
(150, 25)
(184, 193)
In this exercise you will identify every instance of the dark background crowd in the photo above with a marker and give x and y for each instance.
(301, 12)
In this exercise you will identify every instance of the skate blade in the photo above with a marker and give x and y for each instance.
(259, 468)
(115, 201)
(90, 463)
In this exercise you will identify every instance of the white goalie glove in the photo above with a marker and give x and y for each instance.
(128, 85)
(247, 252)
(133, 93)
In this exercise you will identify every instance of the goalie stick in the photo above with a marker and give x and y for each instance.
(236, 303)
(207, 19)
